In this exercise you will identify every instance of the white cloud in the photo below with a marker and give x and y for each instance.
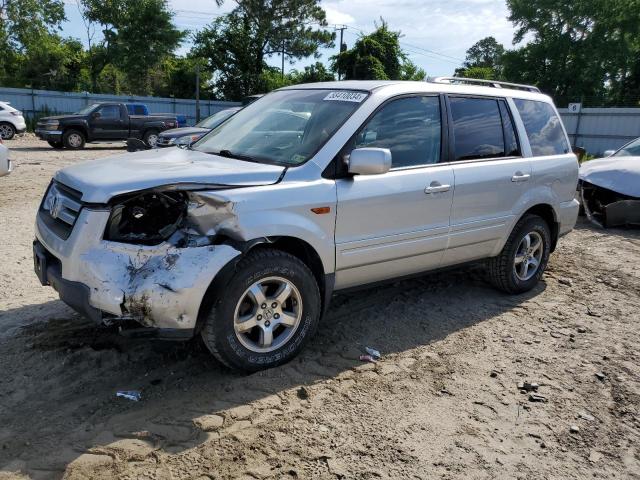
(337, 17)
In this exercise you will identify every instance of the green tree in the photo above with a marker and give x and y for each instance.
(137, 35)
(483, 60)
(312, 73)
(22, 22)
(237, 45)
(377, 56)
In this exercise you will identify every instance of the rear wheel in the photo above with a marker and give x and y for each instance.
(524, 257)
(57, 145)
(73, 139)
(151, 138)
(7, 131)
(269, 310)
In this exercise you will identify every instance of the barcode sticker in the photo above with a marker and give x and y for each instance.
(356, 97)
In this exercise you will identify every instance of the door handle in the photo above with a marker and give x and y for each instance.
(520, 177)
(436, 187)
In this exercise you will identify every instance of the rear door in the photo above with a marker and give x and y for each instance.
(396, 223)
(112, 123)
(491, 176)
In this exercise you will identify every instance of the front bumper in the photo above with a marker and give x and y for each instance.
(160, 287)
(49, 135)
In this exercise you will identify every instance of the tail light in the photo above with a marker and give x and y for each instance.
(17, 113)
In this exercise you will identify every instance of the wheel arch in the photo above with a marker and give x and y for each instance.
(293, 245)
(548, 214)
(78, 128)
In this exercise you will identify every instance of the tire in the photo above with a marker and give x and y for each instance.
(513, 277)
(7, 131)
(57, 145)
(150, 138)
(73, 139)
(248, 350)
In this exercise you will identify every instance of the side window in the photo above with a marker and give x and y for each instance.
(512, 149)
(138, 110)
(410, 127)
(543, 127)
(109, 112)
(477, 128)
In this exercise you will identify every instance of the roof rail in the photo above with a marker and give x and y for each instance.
(486, 83)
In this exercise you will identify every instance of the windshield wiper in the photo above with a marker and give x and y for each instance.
(237, 156)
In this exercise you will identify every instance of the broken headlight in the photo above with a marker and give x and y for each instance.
(148, 218)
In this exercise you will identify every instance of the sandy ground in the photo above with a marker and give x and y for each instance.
(442, 403)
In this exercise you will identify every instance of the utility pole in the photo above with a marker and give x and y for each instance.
(282, 71)
(197, 93)
(342, 28)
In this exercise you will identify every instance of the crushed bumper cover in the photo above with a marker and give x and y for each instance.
(160, 287)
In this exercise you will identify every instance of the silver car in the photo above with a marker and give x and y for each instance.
(5, 163)
(243, 237)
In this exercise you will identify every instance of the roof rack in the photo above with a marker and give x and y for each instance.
(485, 83)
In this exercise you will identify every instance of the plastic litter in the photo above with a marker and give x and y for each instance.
(368, 358)
(134, 395)
(374, 353)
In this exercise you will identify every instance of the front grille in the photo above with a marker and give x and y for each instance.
(163, 141)
(60, 209)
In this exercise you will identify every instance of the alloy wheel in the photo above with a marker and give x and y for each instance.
(528, 256)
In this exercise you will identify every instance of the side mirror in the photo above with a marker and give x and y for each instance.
(95, 115)
(580, 152)
(370, 161)
(608, 153)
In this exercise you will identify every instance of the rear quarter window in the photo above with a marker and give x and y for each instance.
(543, 127)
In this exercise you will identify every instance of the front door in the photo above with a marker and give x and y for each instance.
(492, 177)
(396, 223)
(109, 124)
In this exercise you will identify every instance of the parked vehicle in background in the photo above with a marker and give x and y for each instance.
(243, 237)
(610, 187)
(186, 135)
(102, 122)
(5, 162)
(142, 109)
(11, 121)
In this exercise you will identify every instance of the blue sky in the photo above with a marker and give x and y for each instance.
(436, 32)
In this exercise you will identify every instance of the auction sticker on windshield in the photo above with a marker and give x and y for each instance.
(356, 97)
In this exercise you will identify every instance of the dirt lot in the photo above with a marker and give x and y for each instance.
(442, 403)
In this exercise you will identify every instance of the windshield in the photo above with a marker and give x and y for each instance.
(629, 150)
(216, 119)
(286, 127)
(86, 109)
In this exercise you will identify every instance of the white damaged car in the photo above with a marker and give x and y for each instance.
(243, 236)
(610, 187)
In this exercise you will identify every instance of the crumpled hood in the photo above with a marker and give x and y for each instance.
(620, 174)
(183, 131)
(100, 180)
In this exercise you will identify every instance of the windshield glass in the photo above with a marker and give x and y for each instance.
(216, 119)
(86, 109)
(284, 128)
(630, 150)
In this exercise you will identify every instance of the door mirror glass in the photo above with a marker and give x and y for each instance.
(369, 161)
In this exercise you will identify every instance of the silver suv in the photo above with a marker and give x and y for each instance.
(243, 236)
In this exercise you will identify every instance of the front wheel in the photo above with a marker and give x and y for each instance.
(520, 265)
(7, 131)
(73, 139)
(267, 312)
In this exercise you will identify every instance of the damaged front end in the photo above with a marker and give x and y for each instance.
(145, 259)
(607, 208)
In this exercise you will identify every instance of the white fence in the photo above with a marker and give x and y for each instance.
(600, 129)
(34, 102)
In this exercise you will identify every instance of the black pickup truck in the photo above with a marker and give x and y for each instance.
(102, 122)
